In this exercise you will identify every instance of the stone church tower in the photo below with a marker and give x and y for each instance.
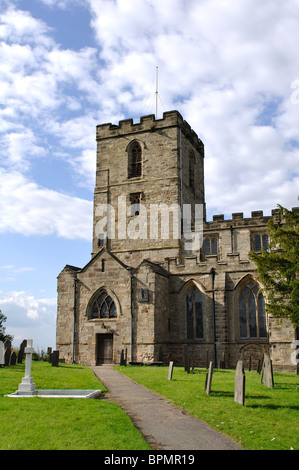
(145, 291)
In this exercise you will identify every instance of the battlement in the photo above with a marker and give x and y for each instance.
(148, 124)
(238, 220)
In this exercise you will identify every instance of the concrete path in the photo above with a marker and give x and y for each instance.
(164, 425)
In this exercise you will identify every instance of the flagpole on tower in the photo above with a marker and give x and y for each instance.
(157, 90)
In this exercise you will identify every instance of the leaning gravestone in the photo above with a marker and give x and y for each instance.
(209, 379)
(170, 371)
(267, 374)
(240, 383)
(1, 354)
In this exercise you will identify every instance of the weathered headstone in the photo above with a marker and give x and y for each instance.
(209, 379)
(13, 359)
(267, 375)
(55, 359)
(49, 353)
(240, 383)
(2, 361)
(7, 353)
(170, 371)
(21, 352)
(27, 386)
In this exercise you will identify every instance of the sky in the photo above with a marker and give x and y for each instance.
(230, 67)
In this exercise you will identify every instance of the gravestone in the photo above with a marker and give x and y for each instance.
(267, 374)
(2, 361)
(209, 379)
(170, 371)
(13, 359)
(55, 359)
(122, 358)
(21, 352)
(49, 352)
(7, 354)
(240, 383)
(27, 387)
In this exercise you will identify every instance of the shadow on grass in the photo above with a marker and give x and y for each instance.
(286, 386)
(273, 407)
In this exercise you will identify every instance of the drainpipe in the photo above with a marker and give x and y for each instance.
(131, 280)
(213, 273)
(75, 314)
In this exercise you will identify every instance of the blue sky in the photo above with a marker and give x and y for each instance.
(230, 68)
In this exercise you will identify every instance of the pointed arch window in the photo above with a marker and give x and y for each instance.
(194, 314)
(135, 161)
(252, 312)
(103, 307)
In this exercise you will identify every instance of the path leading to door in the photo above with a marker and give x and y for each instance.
(165, 426)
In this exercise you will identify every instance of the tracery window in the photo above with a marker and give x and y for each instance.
(194, 314)
(252, 312)
(135, 161)
(103, 307)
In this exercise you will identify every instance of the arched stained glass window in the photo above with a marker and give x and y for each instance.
(103, 307)
(194, 314)
(252, 312)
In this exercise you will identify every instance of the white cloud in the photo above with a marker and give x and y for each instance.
(29, 318)
(29, 209)
(18, 25)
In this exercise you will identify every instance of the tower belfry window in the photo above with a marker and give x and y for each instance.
(135, 161)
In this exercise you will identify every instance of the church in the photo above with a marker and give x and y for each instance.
(162, 281)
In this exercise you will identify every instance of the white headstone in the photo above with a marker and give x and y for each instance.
(170, 371)
(1, 353)
(209, 379)
(27, 386)
(240, 383)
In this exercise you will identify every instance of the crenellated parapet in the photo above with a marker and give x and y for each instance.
(238, 220)
(149, 124)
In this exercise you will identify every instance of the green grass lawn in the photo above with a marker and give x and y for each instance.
(269, 420)
(66, 423)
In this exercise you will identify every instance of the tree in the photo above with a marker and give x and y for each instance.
(3, 336)
(278, 268)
